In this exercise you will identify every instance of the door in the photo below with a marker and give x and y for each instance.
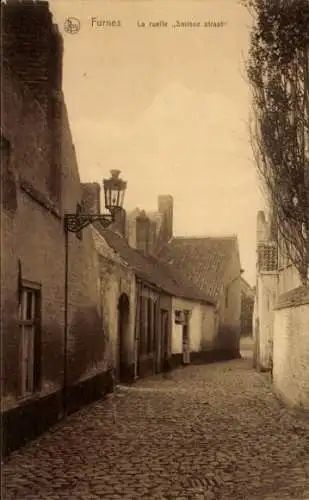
(164, 336)
(185, 340)
(123, 323)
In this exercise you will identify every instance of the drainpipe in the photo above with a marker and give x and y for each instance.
(65, 340)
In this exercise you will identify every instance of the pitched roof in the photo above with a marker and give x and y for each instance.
(153, 270)
(202, 260)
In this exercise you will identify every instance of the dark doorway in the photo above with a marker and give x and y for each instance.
(164, 336)
(123, 323)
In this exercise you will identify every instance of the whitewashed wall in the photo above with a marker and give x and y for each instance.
(288, 279)
(176, 338)
(195, 325)
(291, 355)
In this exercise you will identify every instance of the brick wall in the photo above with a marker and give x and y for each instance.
(25, 126)
(85, 331)
(32, 235)
(291, 353)
(33, 48)
(32, 226)
(30, 56)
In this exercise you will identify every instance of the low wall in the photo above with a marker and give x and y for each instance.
(291, 348)
(25, 423)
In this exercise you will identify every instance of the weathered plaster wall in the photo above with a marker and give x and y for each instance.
(116, 278)
(291, 355)
(266, 300)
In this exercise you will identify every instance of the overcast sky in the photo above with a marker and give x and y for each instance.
(169, 107)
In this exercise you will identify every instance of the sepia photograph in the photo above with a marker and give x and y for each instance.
(154, 249)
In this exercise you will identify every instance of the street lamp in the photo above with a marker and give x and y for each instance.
(114, 190)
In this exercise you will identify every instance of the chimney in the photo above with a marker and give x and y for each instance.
(152, 236)
(91, 192)
(165, 207)
(262, 227)
(142, 232)
(120, 225)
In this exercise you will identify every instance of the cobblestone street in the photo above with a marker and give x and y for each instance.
(212, 432)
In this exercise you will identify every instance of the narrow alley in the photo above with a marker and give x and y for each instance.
(210, 431)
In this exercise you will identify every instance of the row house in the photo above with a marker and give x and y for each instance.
(159, 315)
(210, 264)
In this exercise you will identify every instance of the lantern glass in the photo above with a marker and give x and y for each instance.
(114, 189)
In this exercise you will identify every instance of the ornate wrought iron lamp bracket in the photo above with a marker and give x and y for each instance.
(74, 223)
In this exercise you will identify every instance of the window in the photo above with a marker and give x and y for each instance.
(179, 317)
(29, 314)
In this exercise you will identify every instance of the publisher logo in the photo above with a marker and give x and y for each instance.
(72, 25)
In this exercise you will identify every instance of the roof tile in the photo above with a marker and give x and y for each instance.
(202, 260)
(154, 270)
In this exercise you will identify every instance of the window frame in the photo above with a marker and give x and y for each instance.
(30, 332)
